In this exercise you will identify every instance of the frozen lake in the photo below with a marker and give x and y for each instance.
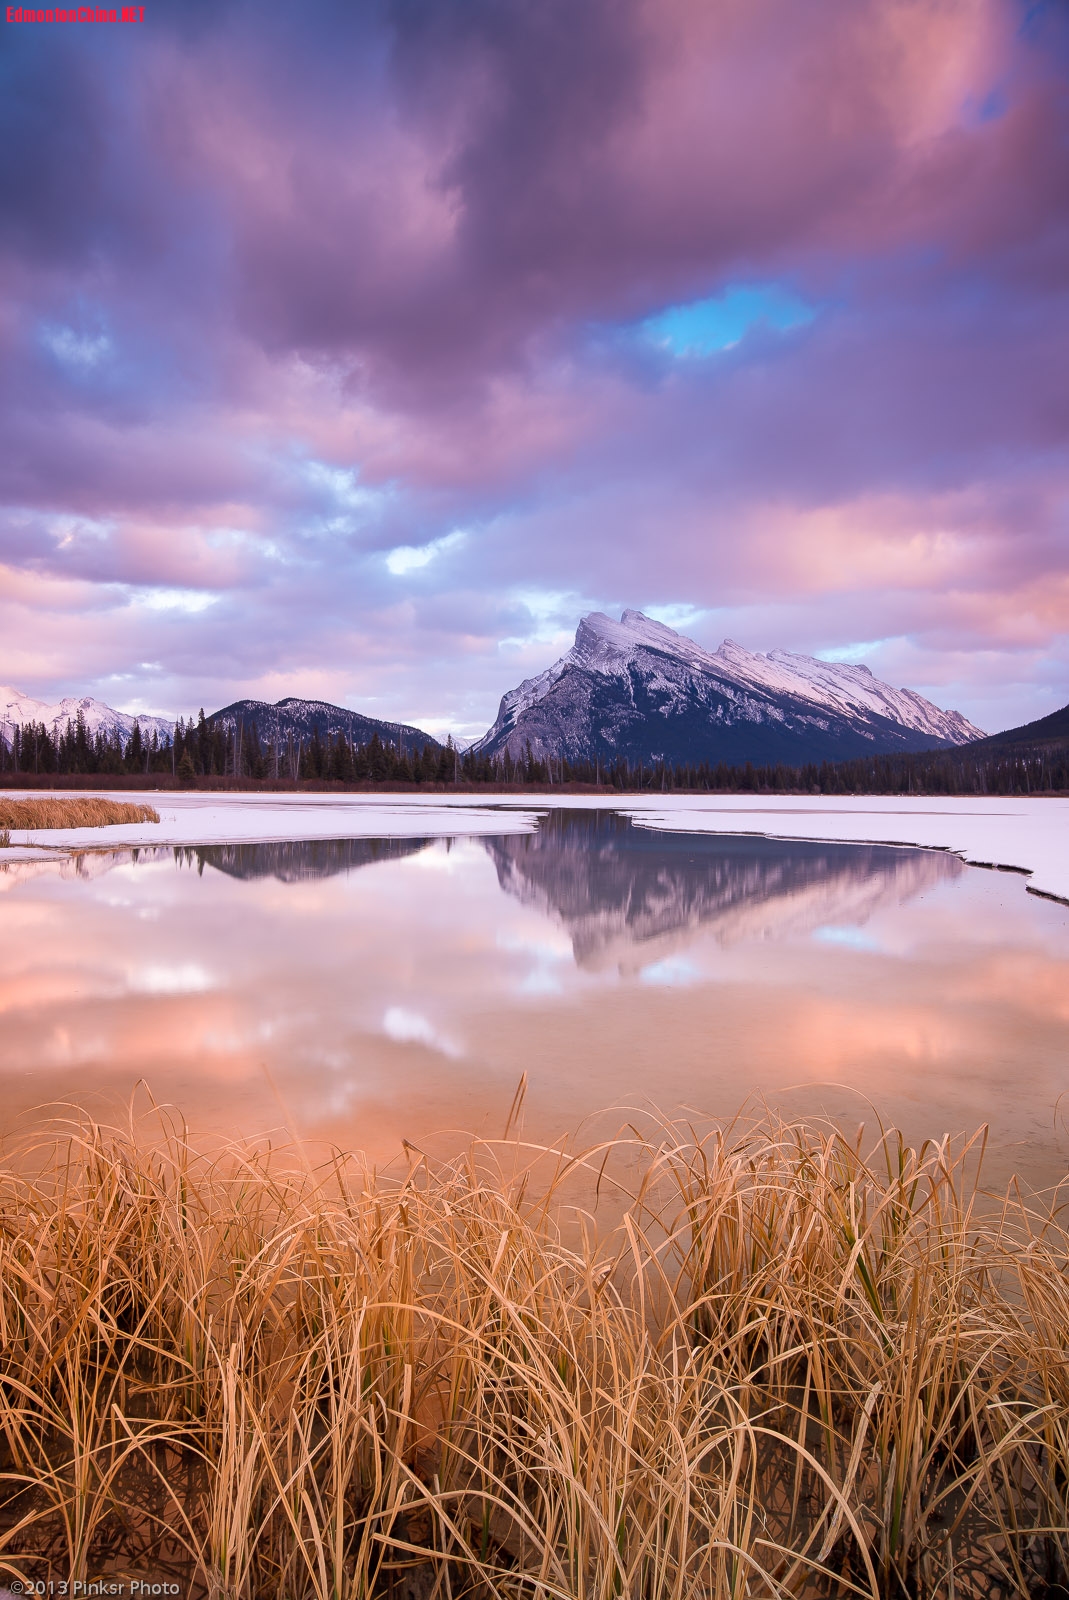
(394, 978)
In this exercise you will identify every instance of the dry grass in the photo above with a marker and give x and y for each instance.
(790, 1368)
(91, 812)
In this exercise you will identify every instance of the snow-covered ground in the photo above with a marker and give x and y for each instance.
(1029, 835)
(205, 818)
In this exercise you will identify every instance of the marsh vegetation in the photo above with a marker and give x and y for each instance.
(72, 812)
(784, 1362)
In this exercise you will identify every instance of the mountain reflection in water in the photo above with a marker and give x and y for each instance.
(297, 860)
(624, 894)
(627, 895)
(287, 860)
(268, 987)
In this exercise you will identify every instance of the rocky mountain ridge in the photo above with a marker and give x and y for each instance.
(295, 719)
(639, 690)
(634, 690)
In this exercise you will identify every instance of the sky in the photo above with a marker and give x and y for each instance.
(355, 348)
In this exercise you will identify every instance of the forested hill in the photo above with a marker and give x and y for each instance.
(1033, 759)
(294, 721)
(229, 747)
(1043, 733)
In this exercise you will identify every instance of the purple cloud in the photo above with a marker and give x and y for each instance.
(332, 351)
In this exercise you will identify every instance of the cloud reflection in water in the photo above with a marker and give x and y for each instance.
(343, 990)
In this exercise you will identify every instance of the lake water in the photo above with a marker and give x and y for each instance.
(363, 991)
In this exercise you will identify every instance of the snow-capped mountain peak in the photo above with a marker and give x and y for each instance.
(638, 685)
(17, 709)
(606, 645)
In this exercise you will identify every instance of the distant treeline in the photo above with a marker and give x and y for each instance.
(200, 749)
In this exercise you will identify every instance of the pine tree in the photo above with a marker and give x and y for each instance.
(204, 744)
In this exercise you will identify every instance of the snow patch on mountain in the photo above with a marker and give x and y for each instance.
(17, 709)
(844, 687)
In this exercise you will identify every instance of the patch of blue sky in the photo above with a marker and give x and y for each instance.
(104, 352)
(1042, 14)
(80, 343)
(405, 558)
(78, 352)
(978, 109)
(851, 652)
(253, 542)
(551, 606)
(345, 505)
(681, 617)
(554, 613)
(550, 616)
(340, 485)
(703, 327)
(188, 601)
(994, 105)
(72, 531)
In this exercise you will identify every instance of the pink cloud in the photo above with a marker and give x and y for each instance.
(329, 282)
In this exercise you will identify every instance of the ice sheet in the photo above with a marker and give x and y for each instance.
(1029, 835)
(205, 818)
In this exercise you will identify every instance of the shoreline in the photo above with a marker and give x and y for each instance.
(1027, 836)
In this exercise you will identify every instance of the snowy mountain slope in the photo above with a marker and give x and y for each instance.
(292, 717)
(17, 709)
(301, 719)
(845, 687)
(636, 688)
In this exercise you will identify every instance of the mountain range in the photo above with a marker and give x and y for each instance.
(639, 690)
(302, 719)
(634, 690)
(294, 719)
(18, 709)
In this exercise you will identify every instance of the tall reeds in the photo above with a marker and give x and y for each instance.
(786, 1366)
(72, 812)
